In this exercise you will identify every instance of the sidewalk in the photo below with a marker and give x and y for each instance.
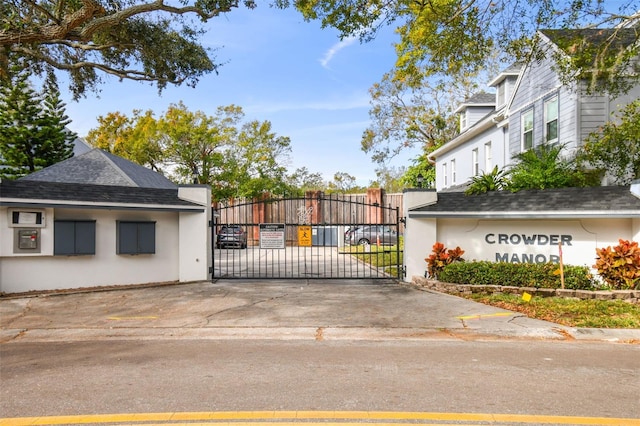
(232, 309)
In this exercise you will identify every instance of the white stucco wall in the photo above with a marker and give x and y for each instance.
(534, 241)
(20, 273)
(7, 231)
(510, 240)
(195, 235)
(419, 235)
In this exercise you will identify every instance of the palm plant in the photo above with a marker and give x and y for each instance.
(496, 180)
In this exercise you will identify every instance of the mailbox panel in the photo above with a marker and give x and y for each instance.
(26, 240)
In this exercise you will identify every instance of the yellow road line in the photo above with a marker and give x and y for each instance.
(479, 316)
(275, 418)
(130, 318)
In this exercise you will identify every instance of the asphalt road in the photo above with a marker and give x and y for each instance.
(507, 377)
(363, 347)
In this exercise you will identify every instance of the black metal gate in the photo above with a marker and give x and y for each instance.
(315, 237)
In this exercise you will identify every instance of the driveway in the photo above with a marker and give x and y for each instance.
(286, 309)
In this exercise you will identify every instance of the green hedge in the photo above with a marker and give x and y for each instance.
(539, 275)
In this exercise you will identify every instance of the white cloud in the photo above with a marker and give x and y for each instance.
(329, 54)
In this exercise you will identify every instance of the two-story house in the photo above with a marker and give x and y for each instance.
(531, 106)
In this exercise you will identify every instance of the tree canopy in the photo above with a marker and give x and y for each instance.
(455, 37)
(615, 149)
(33, 133)
(237, 159)
(155, 41)
(404, 116)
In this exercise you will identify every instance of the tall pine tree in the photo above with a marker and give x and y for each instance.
(32, 127)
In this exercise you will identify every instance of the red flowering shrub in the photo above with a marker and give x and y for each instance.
(442, 257)
(619, 266)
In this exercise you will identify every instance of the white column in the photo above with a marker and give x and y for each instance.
(195, 235)
(419, 234)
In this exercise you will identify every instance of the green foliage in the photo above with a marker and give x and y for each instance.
(440, 258)
(543, 167)
(615, 149)
(443, 37)
(619, 266)
(389, 178)
(539, 168)
(450, 37)
(155, 41)
(256, 158)
(32, 127)
(135, 138)
(496, 180)
(237, 160)
(302, 180)
(344, 183)
(403, 116)
(539, 275)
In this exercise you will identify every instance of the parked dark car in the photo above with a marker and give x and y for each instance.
(372, 234)
(231, 236)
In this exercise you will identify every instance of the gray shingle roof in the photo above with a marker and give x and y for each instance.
(514, 68)
(571, 40)
(60, 194)
(482, 98)
(604, 201)
(80, 146)
(98, 167)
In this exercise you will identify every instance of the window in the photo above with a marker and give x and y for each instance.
(444, 175)
(527, 130)
(136, 237)
(475, 167)
(488, 159)
(74, 237)
(551, 120)
(501, 94)
(453, 172)
(463, 120)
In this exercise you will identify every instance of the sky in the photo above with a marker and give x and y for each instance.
(309, 84)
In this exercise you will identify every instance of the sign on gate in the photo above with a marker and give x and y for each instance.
(304, 236)
(272, 236)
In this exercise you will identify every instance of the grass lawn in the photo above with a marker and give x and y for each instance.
(385, 257)
(569, 312)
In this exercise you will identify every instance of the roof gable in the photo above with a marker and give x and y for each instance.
(98, 167)
(480, 99)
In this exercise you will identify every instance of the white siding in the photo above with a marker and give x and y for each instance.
(464, 158)
(538, 84)
(596, 110)
(578, 116)
(475, 114)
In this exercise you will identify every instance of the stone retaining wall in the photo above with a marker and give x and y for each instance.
(631, 296)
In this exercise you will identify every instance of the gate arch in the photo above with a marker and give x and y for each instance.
(304, 237)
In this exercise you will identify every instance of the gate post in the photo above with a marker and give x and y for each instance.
(374, 200)
(258, 215)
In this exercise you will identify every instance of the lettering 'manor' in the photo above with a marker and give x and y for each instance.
(533, 239)
(526, 258)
